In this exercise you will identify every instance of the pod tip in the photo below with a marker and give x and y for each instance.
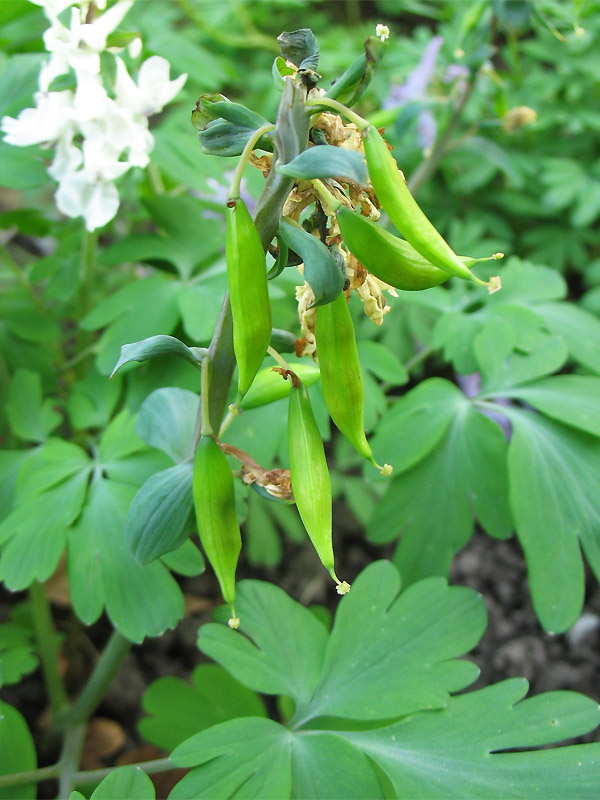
(498, 256)
(234, 622)
(343, 587)
(494, 284)
(386, 470)
(234, 408)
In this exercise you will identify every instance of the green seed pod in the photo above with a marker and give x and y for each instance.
(403, 210)
(248, 293)
(341, 376)
(268, 386)
(390, 258)
(218, 528)
(311, 483)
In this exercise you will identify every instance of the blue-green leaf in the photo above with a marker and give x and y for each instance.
(320, 269)
(325, 161)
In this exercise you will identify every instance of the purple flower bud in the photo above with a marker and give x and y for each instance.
(455, 71)
(426, 129)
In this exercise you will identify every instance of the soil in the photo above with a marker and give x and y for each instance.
(513, 645)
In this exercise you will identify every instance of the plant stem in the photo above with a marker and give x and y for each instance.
(149, 767)
(47, 646)
(31, 776)
(70, 758)
(360, 122)
(278, 358)
(419, 357)
(88, 269)
(104, 672)
(81, 776)
(206, 427)
(428, 166)
(234, 189)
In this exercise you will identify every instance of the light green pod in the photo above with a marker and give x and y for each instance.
(341, 376)
(248, 293)
(404, 211)
(214, 503)
(311, 483)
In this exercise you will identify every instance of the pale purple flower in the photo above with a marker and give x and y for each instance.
(414, 89)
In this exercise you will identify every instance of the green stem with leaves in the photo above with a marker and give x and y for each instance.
(88, 269)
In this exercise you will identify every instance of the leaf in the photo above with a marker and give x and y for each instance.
(35, 532)
(217, 105)
(185, 560)
(154, 347)
(413, 426)
(388, 654)
(18, 753)
(300, 47)
(93, 400)
(570, 399)
(17, 651)
(433, 504)
(453, 752)
(167, 420)
(134, 312)
(289, 657)
(140, 600)
(320, 269)
(130, 782)
(268, 386)
(263, 543)
(281, 656)
(502, 368)
(48, 466)
(554, 472)
(122, 455)
(261, 759)
(179, 709)
(30, 417)
(579, 329)
(382, 362)
(325, 161)
(199, 307)
(21, 167)
(161, 514)
(223, 138)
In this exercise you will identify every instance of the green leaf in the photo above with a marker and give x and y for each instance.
(433, 504)
(413, 426)
(579, 329)
(136, 311)
(178, 709)
(554, 472)
(93, 400)
(186, 560)
(325, 161)
(262, 759)
(217, 105)
(300, 47)
(48, 466)
(320, 269)
(570, 399)
(130, 782)
(30, 417)
(140, 600)
(154, 347)
(35, 532)
(18, 753)
(223, 138)
(457, 751)
(382, 362)
(285, 652)
(161, 514)
(538, 355)
(122, 455)
(263, 543)
(17, 651)
(21, 167)
(281, 656)
(167, 420)
(199, 307)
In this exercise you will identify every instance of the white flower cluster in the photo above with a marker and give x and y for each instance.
(98, 136)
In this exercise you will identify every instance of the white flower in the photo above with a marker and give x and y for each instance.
(47, 122)
(153, 90)
(98, 134)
